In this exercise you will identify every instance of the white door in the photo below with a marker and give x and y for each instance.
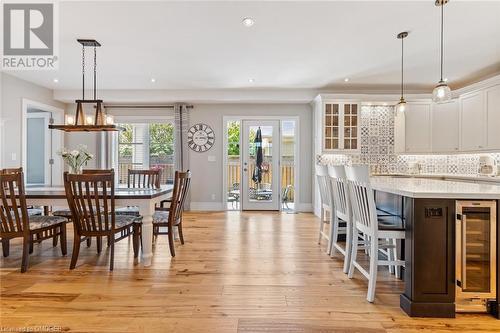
(260, 181)
(38, 169)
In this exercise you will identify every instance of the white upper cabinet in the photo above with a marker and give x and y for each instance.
(445, 127)
(341, 126)
(473, 122)
(493, 117)
(418, 128)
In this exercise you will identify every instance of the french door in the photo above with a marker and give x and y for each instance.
(260, 169)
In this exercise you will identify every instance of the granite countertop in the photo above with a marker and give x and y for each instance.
(435, 188)
(451, 176)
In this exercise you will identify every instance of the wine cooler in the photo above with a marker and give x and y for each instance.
(475, 255)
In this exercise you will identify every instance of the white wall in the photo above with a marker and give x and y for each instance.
(13, 92)
(207, 176)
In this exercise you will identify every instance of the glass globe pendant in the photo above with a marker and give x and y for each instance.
(441, 93)
(401, 106)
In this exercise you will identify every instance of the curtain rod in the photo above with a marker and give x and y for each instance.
(143, 106)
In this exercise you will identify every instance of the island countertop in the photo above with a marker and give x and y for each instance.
(435, 188)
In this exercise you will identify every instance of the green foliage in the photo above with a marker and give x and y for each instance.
(161, 140)
(233, 138)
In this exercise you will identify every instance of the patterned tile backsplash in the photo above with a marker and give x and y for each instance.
(377, 150)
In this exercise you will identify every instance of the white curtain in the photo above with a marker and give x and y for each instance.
(181, 123)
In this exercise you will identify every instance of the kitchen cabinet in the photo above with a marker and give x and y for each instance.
(473, 122)
(417, 128)
(341, 126)
(492, 97)
(445, 127)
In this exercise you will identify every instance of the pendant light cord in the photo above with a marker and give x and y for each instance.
(95, 72)
(83, 72)
(402, 68)
(442, 28)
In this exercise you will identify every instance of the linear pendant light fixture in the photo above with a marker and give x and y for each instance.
(441, 93)
(401, 106)
(81, 123)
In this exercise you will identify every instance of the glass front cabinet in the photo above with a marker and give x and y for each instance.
(341, 130)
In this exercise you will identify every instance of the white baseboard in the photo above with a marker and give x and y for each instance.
(305, 207)
(205, 206)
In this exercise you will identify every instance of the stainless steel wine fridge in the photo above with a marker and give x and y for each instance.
(475, 255)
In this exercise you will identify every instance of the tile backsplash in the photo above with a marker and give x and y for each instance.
(377, 149)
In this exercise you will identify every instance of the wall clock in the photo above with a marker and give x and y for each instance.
(201, 138)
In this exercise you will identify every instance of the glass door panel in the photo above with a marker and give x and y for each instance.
(260, 172)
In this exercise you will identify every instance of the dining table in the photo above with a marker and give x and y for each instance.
(146, 199)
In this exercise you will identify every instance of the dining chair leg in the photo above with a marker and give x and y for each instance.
(181, 236)
(171, 241)
(322, 225)
(372, 280)
(354, 253)
(5, 247)
(32, 239)
(112, 254)
(334, 234)
(54, 239)
(64, 242)
(76, 251)
(394, 250)
(26, 250)
(99, 244)
(390, 255)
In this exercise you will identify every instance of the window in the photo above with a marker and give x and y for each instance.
(146, 146)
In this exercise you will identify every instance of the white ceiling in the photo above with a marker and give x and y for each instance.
(203, 45)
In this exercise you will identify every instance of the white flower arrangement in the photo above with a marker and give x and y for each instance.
(76, 158)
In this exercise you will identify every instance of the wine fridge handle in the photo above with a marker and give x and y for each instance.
(464, 251)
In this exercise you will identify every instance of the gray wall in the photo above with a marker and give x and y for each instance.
(13, 92)
(207, 176)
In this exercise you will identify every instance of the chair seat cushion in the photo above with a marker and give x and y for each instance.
(125, 220)
(129, 210)
(35, 211)
(160, 216)
(390, 223)
(38, 222)
(62, 212)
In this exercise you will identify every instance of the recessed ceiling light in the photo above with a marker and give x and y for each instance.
(445, 79)
(251, 80)
(55, 80)
(248, 22)
(346, 79)
(153, 80)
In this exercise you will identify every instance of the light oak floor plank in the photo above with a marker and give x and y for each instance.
(237, 272)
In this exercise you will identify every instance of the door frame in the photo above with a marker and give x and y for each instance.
(57, 138)
(281, 118)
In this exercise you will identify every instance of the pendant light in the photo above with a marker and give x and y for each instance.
(401, 106)
(80, 122)
(442, 93)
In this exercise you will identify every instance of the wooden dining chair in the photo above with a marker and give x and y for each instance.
(140, 179)
(17, 223)
(366, 222)
(172, 216)
(91, 198)
(326, 210)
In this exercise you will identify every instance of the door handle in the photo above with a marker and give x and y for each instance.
(245, 169)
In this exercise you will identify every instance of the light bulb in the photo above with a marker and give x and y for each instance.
(89, 120)
(70, 120)
(401, 106)
(110, 120)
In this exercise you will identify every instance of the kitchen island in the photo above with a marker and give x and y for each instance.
(428, 208)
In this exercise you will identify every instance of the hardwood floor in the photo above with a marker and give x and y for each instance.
(237, 272)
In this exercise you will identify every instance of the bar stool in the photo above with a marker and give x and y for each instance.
(342, 216)
(365, 221)
(325, 204)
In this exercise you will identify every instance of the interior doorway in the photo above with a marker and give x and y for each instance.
(40, 144)
(266, 182)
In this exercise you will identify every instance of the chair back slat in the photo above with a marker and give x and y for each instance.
(181, 187)
(323, 184)
(363, 201)
(13, 208)
(144, 178)
(340, 193)
(91, 198)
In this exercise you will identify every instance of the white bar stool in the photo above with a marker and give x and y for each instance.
(326, 204)
(365, 221)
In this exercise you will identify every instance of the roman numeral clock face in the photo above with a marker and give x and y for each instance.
(201, 138)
